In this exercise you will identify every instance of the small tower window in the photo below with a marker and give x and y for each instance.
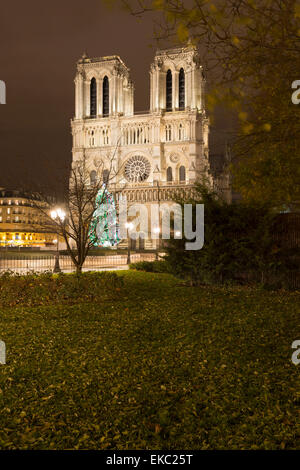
(105, 96)
(169, 174)
(93, 177)
(169, 91)
(182, 173)
(181, 90)
(93, 102)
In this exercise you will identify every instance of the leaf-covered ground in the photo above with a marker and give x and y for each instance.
(164, 367)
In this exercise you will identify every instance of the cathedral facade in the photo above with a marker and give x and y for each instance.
(154, 155)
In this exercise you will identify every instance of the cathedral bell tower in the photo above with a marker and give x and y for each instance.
(176, 81)
(103, 88)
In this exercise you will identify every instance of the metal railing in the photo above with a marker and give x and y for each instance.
(41, 263)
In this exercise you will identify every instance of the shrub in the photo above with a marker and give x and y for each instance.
(39, 289)
(151, 266)
(238, 245)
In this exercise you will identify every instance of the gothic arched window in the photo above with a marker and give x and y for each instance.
(182, 173)
(169, 91)
(181, 90)
(105, 176)
(169, 174)
(168, 132)
(93, 177)
(93, 98)
(105, 96)
(92, 138)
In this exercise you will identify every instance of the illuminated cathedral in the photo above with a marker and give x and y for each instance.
(155, 154)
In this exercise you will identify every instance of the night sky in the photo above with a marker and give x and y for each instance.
(40, 43)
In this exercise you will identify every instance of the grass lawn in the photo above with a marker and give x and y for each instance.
(164, 366)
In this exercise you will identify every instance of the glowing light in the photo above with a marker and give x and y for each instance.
(58, 214)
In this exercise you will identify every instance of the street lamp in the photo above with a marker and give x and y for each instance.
(157, 230)
(58, 215)
(129, 226)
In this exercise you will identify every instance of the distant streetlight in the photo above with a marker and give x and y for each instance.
(58, 215)
(129, 226)
(157, 230)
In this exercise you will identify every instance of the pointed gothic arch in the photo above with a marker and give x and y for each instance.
(181, 89)
(105, 100)
(93, 177)
(93, 98)
(169, 174)
(182, 173)
(105, 176)
(169, 86)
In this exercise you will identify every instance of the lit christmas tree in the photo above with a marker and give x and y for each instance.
(104, 230)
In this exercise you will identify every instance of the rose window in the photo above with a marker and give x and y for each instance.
(137, 169)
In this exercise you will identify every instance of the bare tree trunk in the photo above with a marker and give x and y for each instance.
(78, 269)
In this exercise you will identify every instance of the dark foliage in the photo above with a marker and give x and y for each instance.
(239, 245)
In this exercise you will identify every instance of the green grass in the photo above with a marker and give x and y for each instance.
(164, 366)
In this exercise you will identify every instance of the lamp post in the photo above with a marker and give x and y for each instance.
(157, 230)
(129, 226)
(58, 215)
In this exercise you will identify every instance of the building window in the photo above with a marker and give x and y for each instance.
(92, 138)
(168, 132)
(169, 91)
(181, 90)
(93, 177)
(105, 96)
(93, 97)
(182, 173)
(105, 176)
(105, 137)
(137, 169)
(181, 132)
(169, 174)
